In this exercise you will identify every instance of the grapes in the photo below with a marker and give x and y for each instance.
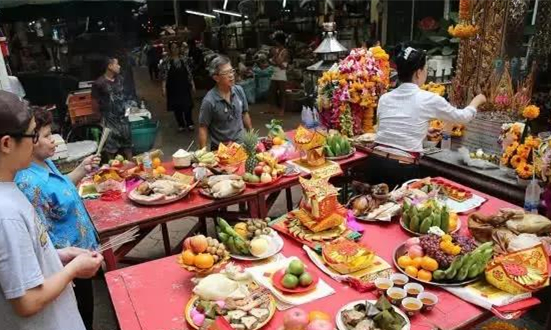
(431, 245)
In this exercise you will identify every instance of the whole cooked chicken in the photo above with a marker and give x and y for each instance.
(166, 187)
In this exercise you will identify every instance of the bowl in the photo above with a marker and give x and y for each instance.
(395, 295)
(399, 280)
(382, 284)
(429, 144)
(429, 300)
(414, 289)
(181, 158)
(411, 305)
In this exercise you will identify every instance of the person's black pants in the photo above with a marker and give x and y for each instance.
(153, 71)
(183, 115)
(84, 293)
(379, 169)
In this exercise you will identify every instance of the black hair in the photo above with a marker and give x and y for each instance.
(108, 60)
(15, 114)
(371, 43)
(280, 37)
(42, 117)
(408, 60)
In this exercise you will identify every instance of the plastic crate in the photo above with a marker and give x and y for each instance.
(81, 109)
(143, 137)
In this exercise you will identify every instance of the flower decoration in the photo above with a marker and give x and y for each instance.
(428, 24)
(435, 88)
(464, 10)
(531, 112)
(525, 171)
(463, 30)
(348, 93)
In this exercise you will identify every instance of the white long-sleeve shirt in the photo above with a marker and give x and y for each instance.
(404, 115)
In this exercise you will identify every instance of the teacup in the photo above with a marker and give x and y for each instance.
(382, 284)
(395, 295)
(399, 279)
(414, 289)
(429, 300)
(411, 305)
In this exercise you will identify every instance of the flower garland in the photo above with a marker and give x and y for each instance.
(522, 157)
(348, 93)
(463, 30)
(457, 129)
(531, 112)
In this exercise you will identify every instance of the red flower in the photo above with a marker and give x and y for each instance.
(428, 24)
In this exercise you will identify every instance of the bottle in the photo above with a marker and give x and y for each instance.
(446, 143)
(532, 197)
(147, 163)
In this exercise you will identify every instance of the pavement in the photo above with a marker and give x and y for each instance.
(170, 140)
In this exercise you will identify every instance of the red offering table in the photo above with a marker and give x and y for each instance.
(153, 295)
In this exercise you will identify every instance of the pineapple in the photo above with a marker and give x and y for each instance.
(250, 141)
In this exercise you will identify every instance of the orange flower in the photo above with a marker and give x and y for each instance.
(531, 112)
(504, 160)
(532, 142)
(511, 148)
(525, 171)
(523, 151)
(516, 160)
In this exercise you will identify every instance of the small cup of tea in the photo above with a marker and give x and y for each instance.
(395, 295)
(411, 305)
(382, 284)
(399, 279)
(413, 289)
(429, 300)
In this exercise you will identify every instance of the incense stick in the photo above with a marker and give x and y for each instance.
(120, 239)
(192, 142)
(104, 136)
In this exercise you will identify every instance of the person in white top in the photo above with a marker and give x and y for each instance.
(403, 120)
(279, 60)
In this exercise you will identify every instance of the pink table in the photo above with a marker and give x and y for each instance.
(152, 296)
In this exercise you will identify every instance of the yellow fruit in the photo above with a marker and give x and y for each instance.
(424, 275)
(188, 257)
(429, 264)
(318, 315)
(156, 162)
(277, 141)
(155, 172)
(455, 250)
(404, 261)
(411, 271)
(453, 223)
(446, 238)
(160, 169)
(417, 262)
(203, 261)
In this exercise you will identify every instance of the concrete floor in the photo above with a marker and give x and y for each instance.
(170, 140)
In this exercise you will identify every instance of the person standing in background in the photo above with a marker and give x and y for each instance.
(178, 86)
(108, 96)
(35, 278)
(153, 59)
(279, 59)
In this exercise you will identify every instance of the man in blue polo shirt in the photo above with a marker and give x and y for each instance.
(224, 113)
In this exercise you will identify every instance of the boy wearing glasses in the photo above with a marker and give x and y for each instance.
(224, 113)
(35, 278)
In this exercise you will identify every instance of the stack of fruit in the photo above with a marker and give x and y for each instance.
(118, 161)
(266, 169)
(246, 238)
(451, 258)
(421, 217)
(205, 158)
(337, 145)
(296, 275)
(202, 253)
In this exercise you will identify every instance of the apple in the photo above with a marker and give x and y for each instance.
(120, 158)
(116, 163)
(295, 319)
(258, 170)
(320, 325)
(261, 164)
(260, 147)
(266, 169)
(187, 243)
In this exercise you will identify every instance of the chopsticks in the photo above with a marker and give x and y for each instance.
(104, 136)
(192, 142)
(116, 241)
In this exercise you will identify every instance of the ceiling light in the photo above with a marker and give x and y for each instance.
(225, 4)
(192, 12)
(284, 3)
(231, 13)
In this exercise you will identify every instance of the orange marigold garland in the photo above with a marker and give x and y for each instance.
(464, 29)
(531, 112)
(348, 94)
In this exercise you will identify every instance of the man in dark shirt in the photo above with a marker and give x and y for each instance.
(108, 96)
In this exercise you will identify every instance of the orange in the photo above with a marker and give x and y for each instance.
(160, 169)
(203, 261)
(318, 315)
(405, 261)
(156, 162)
(411, 271)
(155, 172)
(424, 275)
(453, 222)
(277, 140)
(188, 257)
(417, 261)
(429, 264)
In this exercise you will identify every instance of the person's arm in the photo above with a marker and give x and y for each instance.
(437, 107)
(189, 69)
(163, 72)
(84, 168)
(36, 299)
(205, 119)
(247, 121)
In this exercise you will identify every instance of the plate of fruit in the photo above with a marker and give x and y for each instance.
(250, 239)
(443, 260)
(295, 278)
(338, 147)
(262, 169)
(419, 219)
(202, 255)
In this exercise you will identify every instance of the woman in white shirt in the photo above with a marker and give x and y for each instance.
(403, 120)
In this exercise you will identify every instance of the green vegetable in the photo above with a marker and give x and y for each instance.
(425, 225)
(405, 219)
(337, 150)
(445, 220)
(328, 151)
(414, 224)
(436, 219)
(438, 275)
